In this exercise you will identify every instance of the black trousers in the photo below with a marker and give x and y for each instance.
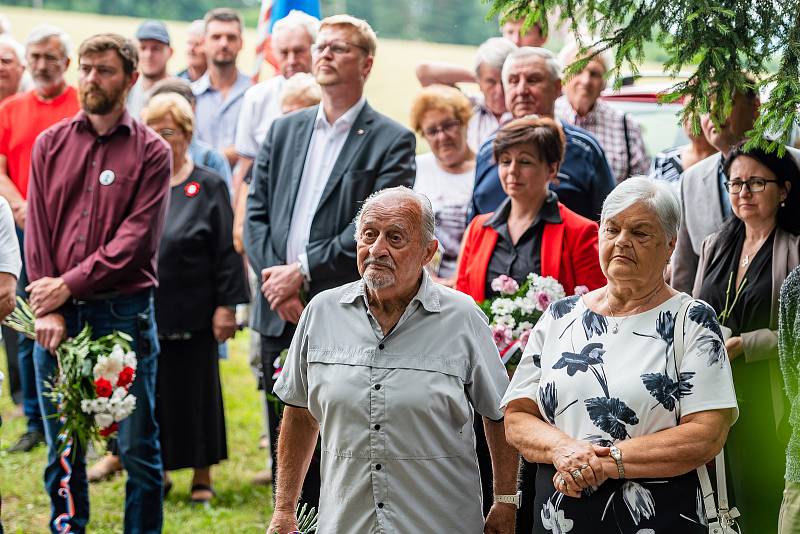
(271, 348)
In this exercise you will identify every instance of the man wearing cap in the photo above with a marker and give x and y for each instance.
(152, 39)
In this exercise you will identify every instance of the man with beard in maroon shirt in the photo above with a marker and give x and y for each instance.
(96, 206)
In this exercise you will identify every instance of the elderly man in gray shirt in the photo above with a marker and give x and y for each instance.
(388, 370)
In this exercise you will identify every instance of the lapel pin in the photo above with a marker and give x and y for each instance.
(191, 189)
(107, 177)
(359, 132)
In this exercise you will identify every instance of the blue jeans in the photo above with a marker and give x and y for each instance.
(138, 434)
(27, 376)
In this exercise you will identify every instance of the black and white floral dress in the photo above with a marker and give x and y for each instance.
(606, 387)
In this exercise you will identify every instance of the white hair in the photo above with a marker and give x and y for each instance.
(301, 86)
(657, 195)
(15, 47)
(5, 25)
(297, 19)
(526, 52)
(493, 53)
(43, 32)
(197, 28)
(428, 228)
(569, 54)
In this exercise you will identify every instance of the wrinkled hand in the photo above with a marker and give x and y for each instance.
(735, 347)
(47, 294)
(290, 310)
(282, 522)
(280, 283)
(50, 331)
(501, 519)
(571, 455)
(223, 323)
(19, 210)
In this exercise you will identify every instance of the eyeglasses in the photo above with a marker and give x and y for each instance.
(755, 184)
(449, 128)
(338, 48)
(168, 133)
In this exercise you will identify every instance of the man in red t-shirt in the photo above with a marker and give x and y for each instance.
(22, 118)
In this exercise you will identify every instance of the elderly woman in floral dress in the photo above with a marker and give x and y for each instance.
(616, 420)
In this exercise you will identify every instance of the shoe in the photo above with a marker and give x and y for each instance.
(27, 442)
(104, 469)
(206, 503)
(263, 478)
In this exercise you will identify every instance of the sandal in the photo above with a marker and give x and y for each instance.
(202, 487)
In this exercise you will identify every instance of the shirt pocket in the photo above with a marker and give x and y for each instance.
(427, 412)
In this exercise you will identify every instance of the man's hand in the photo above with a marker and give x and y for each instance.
(282, 522)
(501, 519)
(280, 283)
(19, 210)
(223, 323)
(47, 294)
(50, 331)
(290, 310)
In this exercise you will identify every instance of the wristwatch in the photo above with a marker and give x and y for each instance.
(301, 269)
(509, 499)
(616, 454)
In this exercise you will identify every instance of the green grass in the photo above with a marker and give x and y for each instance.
(239, 506)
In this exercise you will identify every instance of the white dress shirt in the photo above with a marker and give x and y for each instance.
(327, 141)
(261, 106)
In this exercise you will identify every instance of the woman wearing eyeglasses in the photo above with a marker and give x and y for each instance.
(740, 273)
(446, 174)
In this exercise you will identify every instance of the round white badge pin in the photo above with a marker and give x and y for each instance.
(107, 177)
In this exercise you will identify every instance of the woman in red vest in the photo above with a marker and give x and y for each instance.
(531, 232)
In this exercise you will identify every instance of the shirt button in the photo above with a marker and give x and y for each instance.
(94, 164)
(377, 427)
(381, 346)
(81, 239)
(377, 467)
(85, 213)
(90, 188)
(380, 505)
(377, 386)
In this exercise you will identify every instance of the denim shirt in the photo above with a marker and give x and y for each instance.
(396, 409)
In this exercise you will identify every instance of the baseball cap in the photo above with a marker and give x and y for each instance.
(153, 29)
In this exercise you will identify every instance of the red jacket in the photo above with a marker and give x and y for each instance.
(569, 254)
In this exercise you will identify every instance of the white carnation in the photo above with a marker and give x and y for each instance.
(130, 360)
(505, 320)
(502, 306)
(526, 304)
(86, 406)
(103, 419)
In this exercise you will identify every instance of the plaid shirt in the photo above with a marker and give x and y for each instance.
(605, 123)
(483, 123)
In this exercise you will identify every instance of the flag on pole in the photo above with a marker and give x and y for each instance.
(271, 11)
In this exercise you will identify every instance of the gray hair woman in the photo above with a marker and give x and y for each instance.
(601, 401)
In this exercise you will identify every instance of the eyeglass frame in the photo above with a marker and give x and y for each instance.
(746, 183)
(446, 127)
(319, 48)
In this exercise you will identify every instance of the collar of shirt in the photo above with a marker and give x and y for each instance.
(479, 108)
(548, 213)
(242, 84)
(724, 200)
(125, 123)
(427, 295)
(344, 122)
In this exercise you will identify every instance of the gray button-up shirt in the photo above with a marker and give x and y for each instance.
(396, 410)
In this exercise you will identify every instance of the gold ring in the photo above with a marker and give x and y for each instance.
(563, 482)
(576, 474)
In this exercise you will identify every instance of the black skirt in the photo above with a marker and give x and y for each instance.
(189, 407)
(671, 505)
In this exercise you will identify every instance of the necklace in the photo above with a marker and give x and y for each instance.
(746, 260)
(617, 324)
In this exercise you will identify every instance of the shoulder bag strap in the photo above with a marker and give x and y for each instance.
(678, 342)
(627, 143)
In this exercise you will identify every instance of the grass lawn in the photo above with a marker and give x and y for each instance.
(239, 507)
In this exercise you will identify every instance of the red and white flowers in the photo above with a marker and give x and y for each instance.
(113, 376)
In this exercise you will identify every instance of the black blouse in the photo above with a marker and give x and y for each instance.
(754, 307)
(198, 268)
(525, 257)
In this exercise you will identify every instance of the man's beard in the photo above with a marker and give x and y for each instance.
(98, 102)
(223, 62)
(379, 279)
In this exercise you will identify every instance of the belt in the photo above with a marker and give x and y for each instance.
(96, 297)
(175, 336)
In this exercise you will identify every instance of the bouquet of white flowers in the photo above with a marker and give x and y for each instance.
(94, 376)
(513, 314)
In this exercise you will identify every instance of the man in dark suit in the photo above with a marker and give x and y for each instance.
(309, 178)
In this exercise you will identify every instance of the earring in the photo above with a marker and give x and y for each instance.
(783, 204)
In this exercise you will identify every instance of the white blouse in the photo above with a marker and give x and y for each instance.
(604, 387)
